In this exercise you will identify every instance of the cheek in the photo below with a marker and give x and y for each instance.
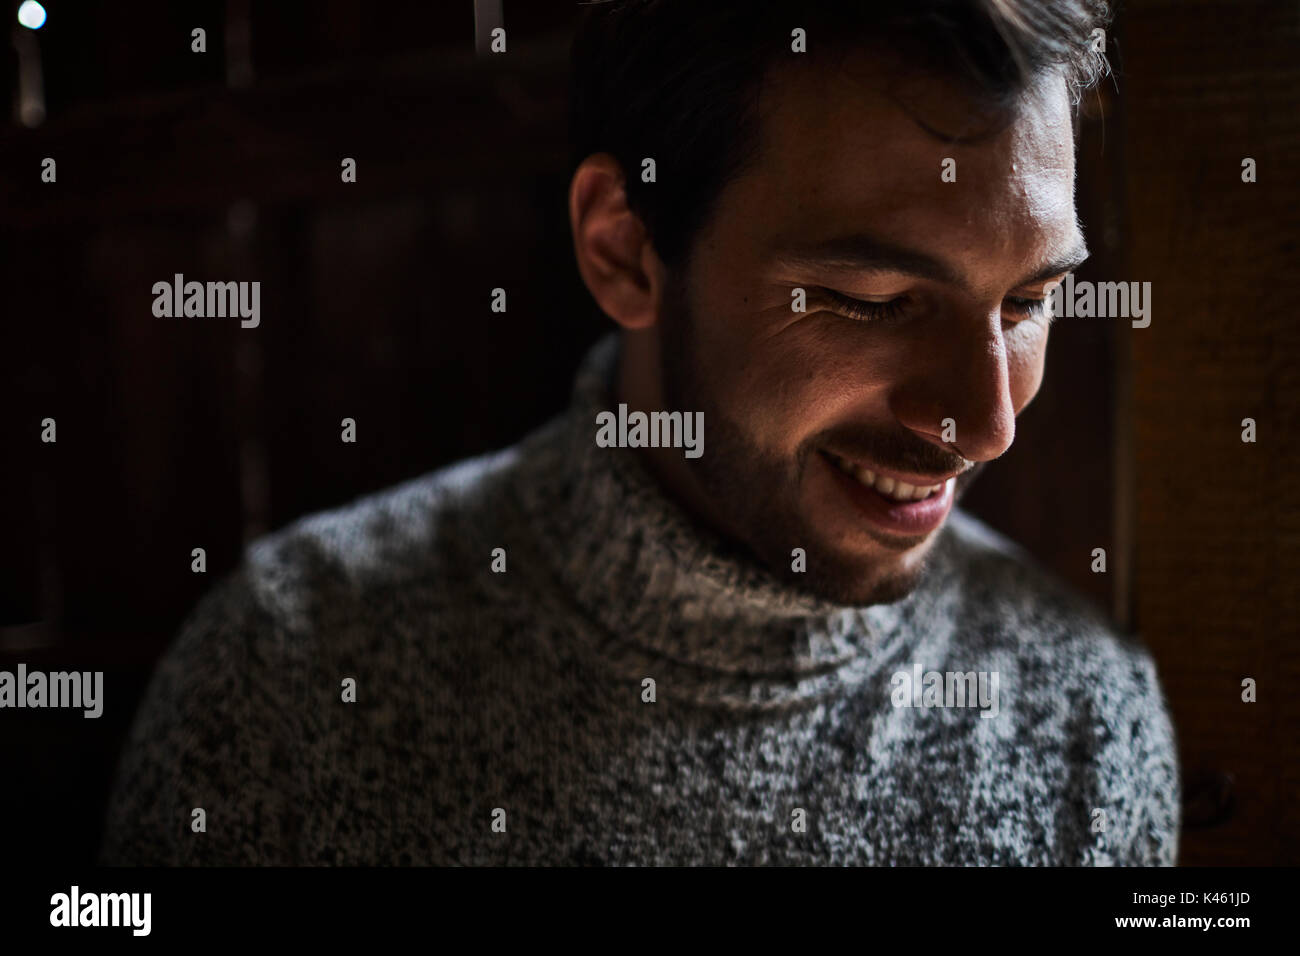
(774, 372)
(805, 375)
(1026, 346)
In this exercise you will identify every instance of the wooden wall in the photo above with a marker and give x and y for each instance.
(1217, 521)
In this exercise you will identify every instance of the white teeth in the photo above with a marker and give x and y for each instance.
(898, 490)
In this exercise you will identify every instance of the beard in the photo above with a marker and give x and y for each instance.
(755, 494)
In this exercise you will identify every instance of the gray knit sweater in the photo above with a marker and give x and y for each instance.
(508, 717)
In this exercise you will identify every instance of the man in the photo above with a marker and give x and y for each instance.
(723, 610)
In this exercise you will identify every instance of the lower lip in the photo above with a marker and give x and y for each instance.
(897, 517)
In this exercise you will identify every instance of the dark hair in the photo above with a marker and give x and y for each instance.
(678, 80)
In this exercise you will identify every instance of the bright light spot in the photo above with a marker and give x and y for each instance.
(31, 15)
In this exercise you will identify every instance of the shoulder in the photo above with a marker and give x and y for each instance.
(1078, 679)
(1008, 602)
(404, 538)
(1007, 597)
(235, 714)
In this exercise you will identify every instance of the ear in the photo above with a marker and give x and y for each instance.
(615, 256)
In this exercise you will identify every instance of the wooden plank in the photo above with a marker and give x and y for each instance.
(1217, 520)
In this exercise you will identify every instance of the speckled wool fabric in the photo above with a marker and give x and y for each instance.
(522, 691)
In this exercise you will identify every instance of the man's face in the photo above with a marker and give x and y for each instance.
(808, 413)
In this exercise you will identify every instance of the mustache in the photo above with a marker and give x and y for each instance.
(893, 451)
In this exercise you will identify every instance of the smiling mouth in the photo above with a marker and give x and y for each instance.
(899, 491)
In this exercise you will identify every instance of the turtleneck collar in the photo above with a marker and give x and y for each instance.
(670, 597)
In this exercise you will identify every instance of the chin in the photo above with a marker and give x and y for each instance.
(880, 588)
(876, 575)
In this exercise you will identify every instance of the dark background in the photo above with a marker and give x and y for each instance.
(182, 433)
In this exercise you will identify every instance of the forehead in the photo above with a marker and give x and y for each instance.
(855, 147)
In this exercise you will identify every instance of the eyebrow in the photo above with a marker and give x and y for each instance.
(867, 253)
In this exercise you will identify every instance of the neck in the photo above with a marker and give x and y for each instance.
(639, 385)
(667, 597)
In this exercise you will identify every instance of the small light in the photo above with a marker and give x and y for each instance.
(31, 15)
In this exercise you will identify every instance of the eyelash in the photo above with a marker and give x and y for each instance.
(862, 311)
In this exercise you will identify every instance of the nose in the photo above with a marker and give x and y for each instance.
(960, 374)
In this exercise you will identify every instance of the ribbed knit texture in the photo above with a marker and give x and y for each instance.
(773, 738)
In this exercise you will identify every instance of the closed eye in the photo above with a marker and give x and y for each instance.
(1026, 308)
(862, 310)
